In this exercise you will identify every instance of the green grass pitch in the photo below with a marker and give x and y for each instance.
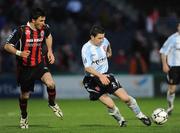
(84, 116)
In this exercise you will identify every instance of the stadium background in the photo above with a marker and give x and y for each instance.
(136, 30)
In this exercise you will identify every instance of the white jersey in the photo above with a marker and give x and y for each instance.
(171, 48)
(95, 56)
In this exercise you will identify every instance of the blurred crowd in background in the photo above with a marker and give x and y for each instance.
(136, 30)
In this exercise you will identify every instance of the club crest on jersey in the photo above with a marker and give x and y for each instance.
(42, 33)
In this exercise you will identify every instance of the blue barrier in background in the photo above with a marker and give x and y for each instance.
(9, 88)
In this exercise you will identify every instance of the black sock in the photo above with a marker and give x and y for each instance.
(51, 96)
(23, 107)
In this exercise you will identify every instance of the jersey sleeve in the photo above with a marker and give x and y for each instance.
(47, 30)
(14, 37)
(167, 46)
(86, 57)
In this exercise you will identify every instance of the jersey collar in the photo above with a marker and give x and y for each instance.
(28, 24)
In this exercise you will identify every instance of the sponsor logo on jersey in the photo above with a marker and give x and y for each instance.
(97, 62)
(34, 40)
(42, 33)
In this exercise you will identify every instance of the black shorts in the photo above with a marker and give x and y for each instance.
(173, 76)
(45, 59)
(95, 88)
(28, 75)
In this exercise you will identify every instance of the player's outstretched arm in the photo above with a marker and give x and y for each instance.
(50, 54)
(164, 63)
(102, 77)
(9, 48)
(109, 51)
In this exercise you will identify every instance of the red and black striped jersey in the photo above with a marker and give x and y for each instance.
(25, 38)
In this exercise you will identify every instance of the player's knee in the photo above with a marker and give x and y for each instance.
(125, 99)
(25, 95)
(50, 84)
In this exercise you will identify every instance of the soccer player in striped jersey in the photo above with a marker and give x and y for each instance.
(99, 82)
(26, 43)
(170, 57)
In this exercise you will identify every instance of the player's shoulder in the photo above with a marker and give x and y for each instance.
(106, 41)
(23, 27)
(86, 46)
(173, 36)
(46, 26)
(18, 29)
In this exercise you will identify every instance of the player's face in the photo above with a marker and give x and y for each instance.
(97, 40)
(39, 22)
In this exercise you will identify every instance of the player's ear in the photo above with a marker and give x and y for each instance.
(33, 20)
(92, 37)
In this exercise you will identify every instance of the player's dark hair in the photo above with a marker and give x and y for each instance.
(37, 12)
(178, 22)
(96, 29)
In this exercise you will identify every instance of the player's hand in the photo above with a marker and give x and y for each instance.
(104, 79)
(50, 57)
(25, 53)
(166, 68)
(108, 54)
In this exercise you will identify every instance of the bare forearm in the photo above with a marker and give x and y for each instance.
(164, 63)
(102, 77)
(9, 48)
(49, 43)
(164, 59)
(109, 51)
(92, 71)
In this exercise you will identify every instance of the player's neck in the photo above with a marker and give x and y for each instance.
(93, 43)
(31, 25)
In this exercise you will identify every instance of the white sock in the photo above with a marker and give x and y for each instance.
(115, 113)
(134, 106)
(141, 115)
(170, 98)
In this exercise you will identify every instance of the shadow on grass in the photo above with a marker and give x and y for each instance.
(97, 125)
(33, 126)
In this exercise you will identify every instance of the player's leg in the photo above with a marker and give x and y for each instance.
(173, 78)
(49, 82)
(26, 83)
(170, 98)
(98, 93)
(23, 99)
(112, 109)
(132, 104)
(116, 89)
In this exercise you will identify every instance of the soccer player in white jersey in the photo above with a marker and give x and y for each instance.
(170, 56)
(99, 83)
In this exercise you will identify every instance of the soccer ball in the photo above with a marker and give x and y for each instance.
(159, 116)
